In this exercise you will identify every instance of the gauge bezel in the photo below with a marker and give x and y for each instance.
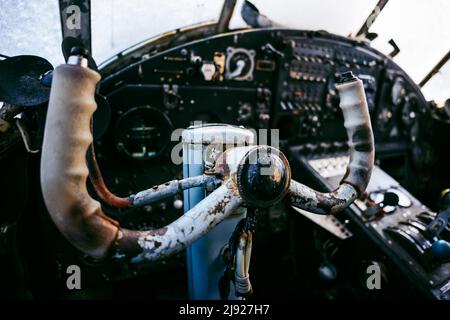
(231, 52)
(146, 109)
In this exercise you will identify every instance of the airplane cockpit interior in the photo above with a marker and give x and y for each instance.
(225, 150)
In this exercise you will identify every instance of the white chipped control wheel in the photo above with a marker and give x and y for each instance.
(257, 176)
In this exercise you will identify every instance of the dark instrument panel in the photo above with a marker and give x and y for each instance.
(260, 79)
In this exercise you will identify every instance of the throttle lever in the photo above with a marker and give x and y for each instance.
(440, 249)
(439, 223)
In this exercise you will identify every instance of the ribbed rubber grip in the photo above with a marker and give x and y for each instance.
(359, 131)
(63, 163)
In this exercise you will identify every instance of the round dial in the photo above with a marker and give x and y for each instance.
(143, 133)
(240, 64)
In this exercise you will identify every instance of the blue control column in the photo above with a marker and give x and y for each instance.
(201, 146)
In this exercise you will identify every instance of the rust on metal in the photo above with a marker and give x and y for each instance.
(219, 207)
(96, 178)
(221, 167)
(329, 201)
(158, 232)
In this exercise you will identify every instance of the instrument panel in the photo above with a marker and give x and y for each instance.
(271, 79)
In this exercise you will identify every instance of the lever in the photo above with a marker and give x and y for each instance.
(439, 223)
(440, 249)
(269, 48)
(240, 64)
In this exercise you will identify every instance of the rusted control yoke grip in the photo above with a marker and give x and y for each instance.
(354, 107)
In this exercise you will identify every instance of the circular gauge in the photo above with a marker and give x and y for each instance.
(398, 91)
(240, 64)
(143, 133)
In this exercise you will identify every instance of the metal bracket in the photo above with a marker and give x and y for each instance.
(329, 223)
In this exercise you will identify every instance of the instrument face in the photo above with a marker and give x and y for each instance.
(143, 133)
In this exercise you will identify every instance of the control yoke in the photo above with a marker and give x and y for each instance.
(249, 176)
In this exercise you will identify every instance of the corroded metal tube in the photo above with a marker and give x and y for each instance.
(172, 188)
(308, 199)
(143, 197)
(362, 152)
(173, 238)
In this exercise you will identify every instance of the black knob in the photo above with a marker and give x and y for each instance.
(390, 199)
(264, 182)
